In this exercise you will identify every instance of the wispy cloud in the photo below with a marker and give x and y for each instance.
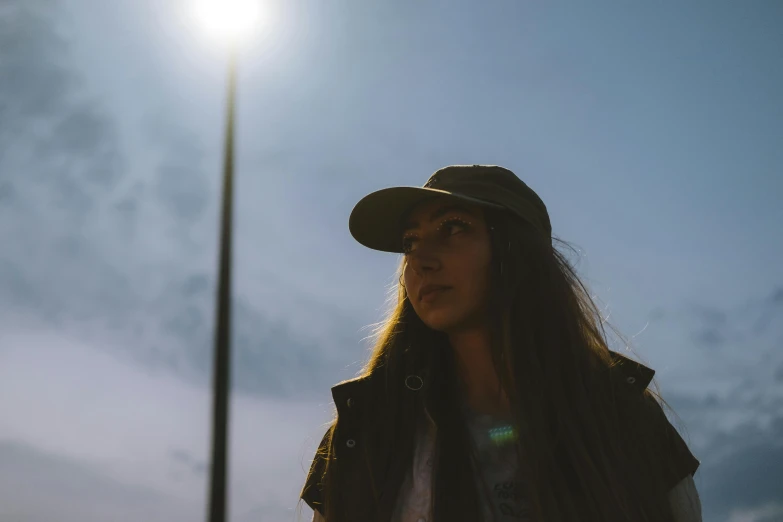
(101, 243)
(733, 410)
(136, 430)
(36, 486)
(109, 171)
(744, 471)
(193, 464)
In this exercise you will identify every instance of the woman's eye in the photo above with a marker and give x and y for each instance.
(408, 244)
(447, 228)
(454, 225)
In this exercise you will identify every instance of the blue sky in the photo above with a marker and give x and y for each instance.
(652, 132)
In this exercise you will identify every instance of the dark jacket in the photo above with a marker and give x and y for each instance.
(360, 479)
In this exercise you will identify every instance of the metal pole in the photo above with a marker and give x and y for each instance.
(222, 357)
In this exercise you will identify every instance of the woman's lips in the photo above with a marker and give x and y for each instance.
(431, 292)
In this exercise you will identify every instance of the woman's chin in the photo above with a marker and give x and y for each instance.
(441, 321)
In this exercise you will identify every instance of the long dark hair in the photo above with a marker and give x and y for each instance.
(584, 453)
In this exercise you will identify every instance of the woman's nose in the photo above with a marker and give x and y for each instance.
(423, 260)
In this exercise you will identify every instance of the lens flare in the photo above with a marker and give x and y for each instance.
(503, 435)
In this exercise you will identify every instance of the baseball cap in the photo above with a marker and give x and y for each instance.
(376, 220)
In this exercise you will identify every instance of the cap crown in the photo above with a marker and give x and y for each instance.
(496, 185)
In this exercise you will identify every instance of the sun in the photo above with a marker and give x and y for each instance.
(227, 20)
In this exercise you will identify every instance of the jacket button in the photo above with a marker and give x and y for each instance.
(630, 380)
(350, 443)
(349, 402)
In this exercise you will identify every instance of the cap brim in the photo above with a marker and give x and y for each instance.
(376, 220)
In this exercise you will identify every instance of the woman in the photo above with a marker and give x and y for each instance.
(491, 393)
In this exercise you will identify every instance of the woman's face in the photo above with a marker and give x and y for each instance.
(447, 264)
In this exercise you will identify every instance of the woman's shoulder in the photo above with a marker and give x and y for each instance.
(313, 490)
(648, 428)
(649, 434)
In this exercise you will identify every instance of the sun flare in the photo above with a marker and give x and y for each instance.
(228, 20)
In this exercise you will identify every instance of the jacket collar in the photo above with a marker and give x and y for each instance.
(627, 374)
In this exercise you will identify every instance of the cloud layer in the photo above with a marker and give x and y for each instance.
(140, 435)
(109, 148)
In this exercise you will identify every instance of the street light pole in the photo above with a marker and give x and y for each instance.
(222, 355)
